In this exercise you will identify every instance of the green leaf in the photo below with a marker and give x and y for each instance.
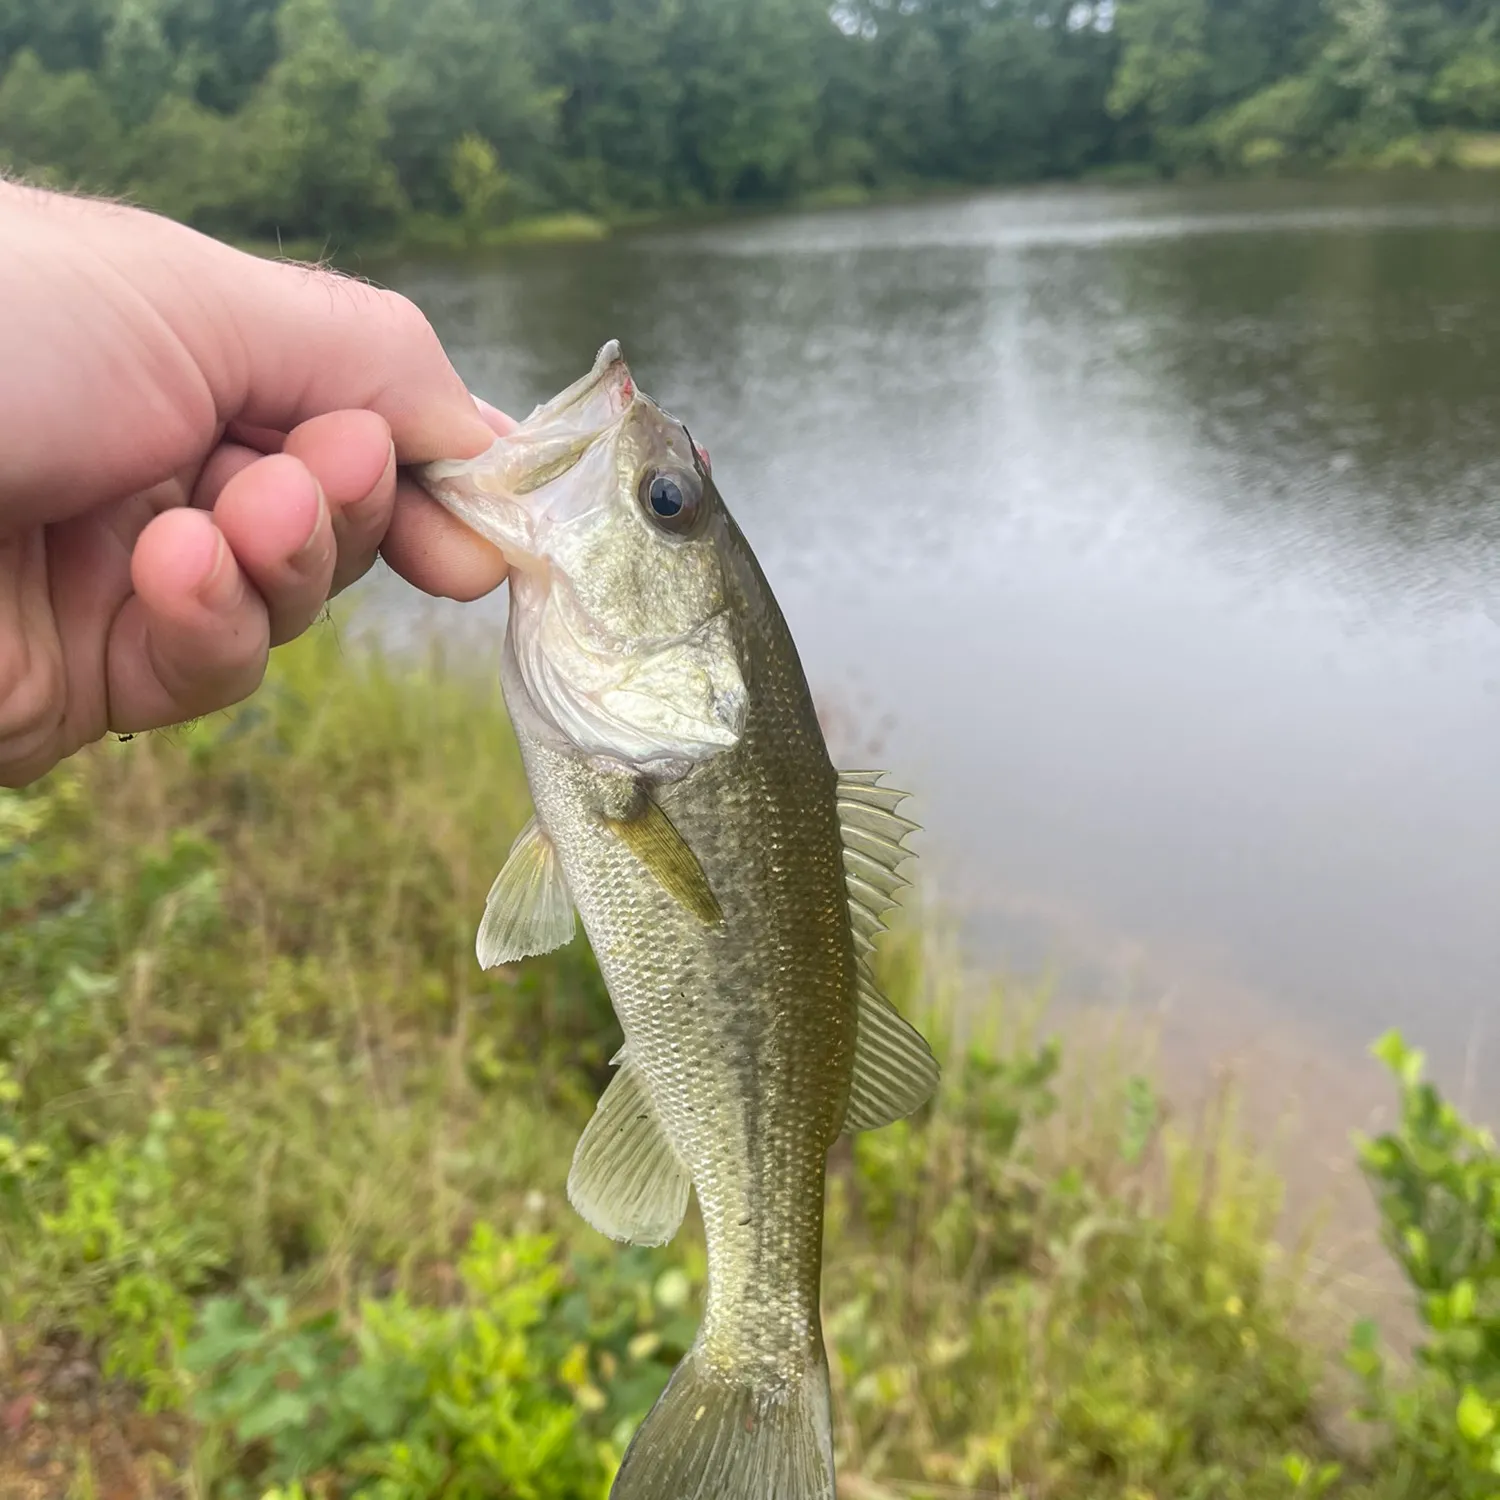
(1141, 1113)
(278, 1412)
(1461, 1302)
(1476, 1416)
(226, 1332)
(1391, 1049)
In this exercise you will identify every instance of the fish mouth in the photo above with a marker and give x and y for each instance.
(489, 493)
(605, 392)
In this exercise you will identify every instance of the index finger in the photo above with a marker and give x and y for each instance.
(132, 341)
(301, 341)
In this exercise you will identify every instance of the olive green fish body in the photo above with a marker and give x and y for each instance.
(730, 882)
(743, 1030)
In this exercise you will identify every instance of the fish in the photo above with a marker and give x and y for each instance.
(731, 882)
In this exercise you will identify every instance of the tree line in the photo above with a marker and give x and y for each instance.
(352, 117)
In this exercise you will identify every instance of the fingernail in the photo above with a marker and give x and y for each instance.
(313, 553)
(357, 510)
(492, 414)
(221, 588)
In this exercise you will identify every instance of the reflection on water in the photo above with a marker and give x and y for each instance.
(1155, 531)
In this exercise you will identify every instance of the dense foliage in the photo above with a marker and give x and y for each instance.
(281, 1172)
(354, 117)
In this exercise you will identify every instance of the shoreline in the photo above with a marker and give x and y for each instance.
(434, 239)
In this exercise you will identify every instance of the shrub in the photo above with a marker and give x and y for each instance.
(1436, 1178)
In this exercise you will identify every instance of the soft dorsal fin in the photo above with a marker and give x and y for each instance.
(529, 910)
(658, 845)
(626, 1179)
(894, 1069)
(874, 834)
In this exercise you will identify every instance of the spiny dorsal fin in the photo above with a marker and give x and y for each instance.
(626, 1180)
(528, 910)
(894, 1069)
(658, 845)
(874, 834)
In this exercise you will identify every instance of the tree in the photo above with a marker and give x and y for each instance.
(478, 184)
(1031, 79)
(452, 69)
(319, 131)
(916, 130)
(622, 93)
(198, 166)
(1467, 91)
(1252, 44)
(334, 117)
(64, 34)
(749, 120)
(226, 47)
(138, 67)
(1164, 64)
(1364, 59)
(1284, 120)
(982, 90)
(57, 127)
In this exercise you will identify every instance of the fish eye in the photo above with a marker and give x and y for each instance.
(665, 496)
(671, 498)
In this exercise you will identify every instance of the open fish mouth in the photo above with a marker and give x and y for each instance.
(617, 622)
(488, 493)
(594, 400)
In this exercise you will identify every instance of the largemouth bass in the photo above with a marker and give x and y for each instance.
(730, 882)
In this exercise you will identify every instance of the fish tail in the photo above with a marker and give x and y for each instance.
(711, 1436)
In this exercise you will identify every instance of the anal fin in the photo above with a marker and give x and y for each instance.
(626, 1179)
(529, 910)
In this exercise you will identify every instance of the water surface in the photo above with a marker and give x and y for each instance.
(1150, 536)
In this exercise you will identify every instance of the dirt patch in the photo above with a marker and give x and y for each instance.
(67, 1433)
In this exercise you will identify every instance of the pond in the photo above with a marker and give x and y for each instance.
(1149, 535)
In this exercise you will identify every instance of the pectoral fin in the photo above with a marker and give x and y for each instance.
(658, 845)
(529, 910)
(626, 1180)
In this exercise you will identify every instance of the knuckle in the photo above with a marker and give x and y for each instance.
(33, 705)
(201, 684)
(409, 324)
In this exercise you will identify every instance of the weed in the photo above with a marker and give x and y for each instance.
(275, 1150)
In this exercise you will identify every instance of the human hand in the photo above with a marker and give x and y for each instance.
(197, 449)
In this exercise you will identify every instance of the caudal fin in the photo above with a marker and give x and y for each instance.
(710, 1438)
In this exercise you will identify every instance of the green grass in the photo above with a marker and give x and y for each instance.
(284, 1166)
(432, 234)
(1477, 149)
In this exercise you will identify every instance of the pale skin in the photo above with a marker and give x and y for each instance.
(198, 448)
